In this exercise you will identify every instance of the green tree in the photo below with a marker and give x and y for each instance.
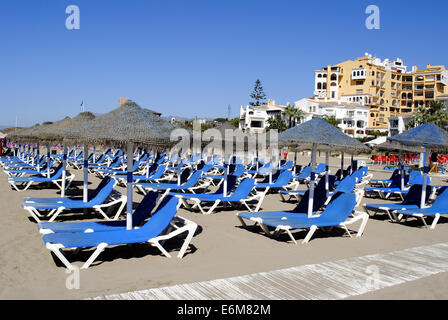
(220, 120)
(235, 122)
(434, 113)
(258, 95)
(294, 115)
(276, 123)
(331, 120)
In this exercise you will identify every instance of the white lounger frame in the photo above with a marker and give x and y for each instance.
(357, 215)
(29, 183)
(171, 231)
(197, 202)
(114, 198)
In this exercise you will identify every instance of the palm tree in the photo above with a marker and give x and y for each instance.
(434, 113)
(294, 115)
(276, 123)
(331, 120)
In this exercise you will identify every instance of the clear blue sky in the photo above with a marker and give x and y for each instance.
(194, 57)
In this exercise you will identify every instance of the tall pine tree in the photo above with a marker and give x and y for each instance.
(258, 95)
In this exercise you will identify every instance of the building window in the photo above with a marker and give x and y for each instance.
(256, 124)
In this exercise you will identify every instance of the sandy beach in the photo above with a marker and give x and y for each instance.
(221, 248)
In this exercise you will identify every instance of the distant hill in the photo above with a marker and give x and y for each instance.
(8, 129)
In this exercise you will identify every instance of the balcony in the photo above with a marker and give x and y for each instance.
(359, 74)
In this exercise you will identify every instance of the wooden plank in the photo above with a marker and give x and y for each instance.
(329, 280)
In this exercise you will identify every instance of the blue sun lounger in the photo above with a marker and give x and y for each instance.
(162, 226)
(141, 213)
(385, 193)
(282, 181)
(55, 177)
(241, 195)
(439, 207)
(105, 198)
(411, 201)
(300, 193)
(189, 185)
(337, 214)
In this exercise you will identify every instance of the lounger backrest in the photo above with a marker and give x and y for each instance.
(288, 165)
(103, 194)
(159, 172)
(441, 201)
(145, 208)
(231, 182)
(194, 178)
(305, 173)
(243, 190)
(346, 185)
(239, 170)
(152, 168)
(340, 207)
(102, 184)
(57, 172)
(414, 174)
(283, 179)
(396, 181)
(320, 168)
(206, 167)
(161, 218)
(415, 194)
(321, 184)
(298, 168)
(184, 175)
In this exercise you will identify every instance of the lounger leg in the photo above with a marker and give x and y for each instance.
(56, 249)
(56, 214)
(363, 226)
(159, 246)
(436, 219)
(242, 221)
(94, 255)
(213, 207)
(310, 234)
(424, 222)
(191, 227)
(33, 214)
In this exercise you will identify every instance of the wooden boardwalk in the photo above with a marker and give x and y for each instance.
(329, 280)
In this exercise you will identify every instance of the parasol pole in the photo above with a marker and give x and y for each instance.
(130, 160)
(312, 177)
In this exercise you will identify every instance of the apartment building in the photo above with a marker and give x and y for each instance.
(385, 86)
(353, 118)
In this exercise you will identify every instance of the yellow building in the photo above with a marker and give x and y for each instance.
(385, 86)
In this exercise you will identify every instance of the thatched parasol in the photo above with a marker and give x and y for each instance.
(129, 124)
(318, 134)
(429, 136)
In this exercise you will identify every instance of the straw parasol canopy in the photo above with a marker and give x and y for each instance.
(393, 146)
(127, 123)
(55, 132)
(26, 135)
(319, 132)
(427, 135)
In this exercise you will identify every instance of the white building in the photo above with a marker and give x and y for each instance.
(255, 119)
(353, 117)
(397, 125)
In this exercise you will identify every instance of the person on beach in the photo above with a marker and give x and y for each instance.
(434, 162)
